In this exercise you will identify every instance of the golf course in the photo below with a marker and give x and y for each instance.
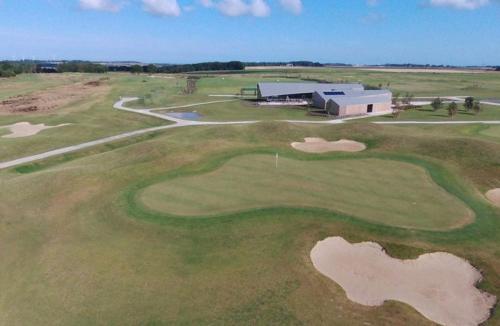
(212, 220)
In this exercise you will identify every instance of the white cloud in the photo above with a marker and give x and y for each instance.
(460, 4)
(234, 8)
(372, 3)
(259, 8)
(162, 7)
(100, 5)
(294, 6)
(207, 3)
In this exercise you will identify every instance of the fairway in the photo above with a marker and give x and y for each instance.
(380, 191)
(491, 131)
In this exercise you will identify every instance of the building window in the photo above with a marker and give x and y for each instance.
(370, 108)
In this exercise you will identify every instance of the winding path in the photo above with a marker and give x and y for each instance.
(177, 123)
(119, 106)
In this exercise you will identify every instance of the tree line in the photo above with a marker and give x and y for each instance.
(172, 69)
(13, 68)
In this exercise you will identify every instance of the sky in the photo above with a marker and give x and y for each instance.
(450, 32)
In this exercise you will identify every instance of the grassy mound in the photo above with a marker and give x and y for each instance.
(381, 191)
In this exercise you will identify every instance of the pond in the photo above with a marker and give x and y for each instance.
(185, 115)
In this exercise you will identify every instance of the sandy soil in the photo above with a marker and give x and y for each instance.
(52, 99)
(319, 145)
(25, 129)
(440, 286)
(494, 196)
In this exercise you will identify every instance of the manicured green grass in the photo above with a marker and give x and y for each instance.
(74, 252)
(380, 191)
(491, 131)
(77, 248)
(242, 110)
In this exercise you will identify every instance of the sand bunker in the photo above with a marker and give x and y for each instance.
(494, 196)
(25, 129)
(440, 286)
(319, 145)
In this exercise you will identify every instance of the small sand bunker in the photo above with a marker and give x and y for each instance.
(440, 286)
(494, 196)
(319, 145)
(25, 129)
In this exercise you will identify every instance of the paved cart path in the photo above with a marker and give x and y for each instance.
(177, 123)
(119, 106)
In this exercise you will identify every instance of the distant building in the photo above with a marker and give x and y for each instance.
(353, 102)
(334, 99)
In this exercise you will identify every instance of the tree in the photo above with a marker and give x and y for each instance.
(407, 99)
(396, 112)
(395, 98)
(452, 109)
(136, 69)
(151, 69)
(476, 107)
(437, 104)
(469, 103)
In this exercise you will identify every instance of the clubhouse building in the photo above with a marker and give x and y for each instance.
(334, 99)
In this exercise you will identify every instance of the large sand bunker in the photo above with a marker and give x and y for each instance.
(319, 145)
(25, 129)
(440, 286)
(494, 196)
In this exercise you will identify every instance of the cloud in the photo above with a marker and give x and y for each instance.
(100, 5)
(460, 4)
(234, 8)
(207, 3)
(259, 8)
(293, 6)
(162, 7)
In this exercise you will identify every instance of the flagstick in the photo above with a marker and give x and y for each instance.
(277, 157)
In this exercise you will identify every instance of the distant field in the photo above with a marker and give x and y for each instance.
(387, 192)
(425, 70)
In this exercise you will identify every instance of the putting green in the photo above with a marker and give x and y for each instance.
(382, 191)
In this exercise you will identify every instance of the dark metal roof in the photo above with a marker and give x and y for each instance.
(283, 89)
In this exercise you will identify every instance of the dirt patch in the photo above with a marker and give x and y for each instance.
(440, 286)
(25, 129)
(319, 145)
(52, 99)
(494, 196)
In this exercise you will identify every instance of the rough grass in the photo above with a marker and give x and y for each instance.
(90, 119)
(381, 191)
